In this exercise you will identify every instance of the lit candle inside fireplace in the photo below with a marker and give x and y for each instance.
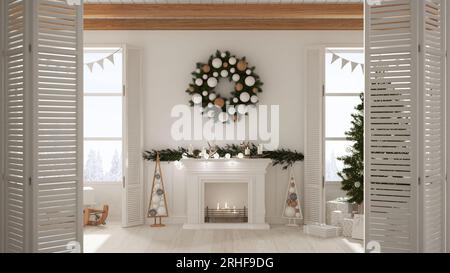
(226, 205)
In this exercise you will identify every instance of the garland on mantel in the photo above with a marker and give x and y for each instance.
(283, 157)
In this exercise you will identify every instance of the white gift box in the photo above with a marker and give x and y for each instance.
(347, 227)
(337, 217)
(340, 204)
(322, 230)
(358, 227)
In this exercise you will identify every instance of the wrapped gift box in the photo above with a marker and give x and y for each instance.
(340, 204)
(337, 217)
(322, 230)
(347, 227)
(358, 227)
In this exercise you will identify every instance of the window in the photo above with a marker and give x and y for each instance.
(103, 98)
(341, 95)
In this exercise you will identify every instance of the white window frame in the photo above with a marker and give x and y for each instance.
(324, 106)
(97, 48)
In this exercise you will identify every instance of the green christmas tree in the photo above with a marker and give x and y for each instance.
(353, 173)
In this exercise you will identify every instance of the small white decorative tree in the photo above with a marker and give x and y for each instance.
(158, 203)
(292, 210)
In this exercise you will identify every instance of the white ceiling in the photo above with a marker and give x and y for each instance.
(217, 1)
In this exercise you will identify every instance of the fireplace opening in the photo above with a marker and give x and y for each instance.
(226, 203)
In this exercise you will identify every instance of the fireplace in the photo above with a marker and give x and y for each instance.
(226, 193)
(226, 202)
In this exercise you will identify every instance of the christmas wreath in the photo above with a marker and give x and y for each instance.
(220, 65)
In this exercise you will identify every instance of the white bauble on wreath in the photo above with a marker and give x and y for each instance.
(250, 81)
(217, 63)
(236, 70)
(199, 82)
(196, 98)
(244, 97)
(212, 82)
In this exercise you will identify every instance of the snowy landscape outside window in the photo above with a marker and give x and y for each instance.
(103, 91)
(341, 96)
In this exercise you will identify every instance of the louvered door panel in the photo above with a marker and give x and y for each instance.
(133, 192)
(432, 60)
(56, 125)
(16, 170)
(405, 121)
(313, 145)
(391, 130)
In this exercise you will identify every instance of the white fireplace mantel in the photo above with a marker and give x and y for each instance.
(250, 171)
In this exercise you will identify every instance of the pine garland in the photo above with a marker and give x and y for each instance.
(353, 173)
(282, 157)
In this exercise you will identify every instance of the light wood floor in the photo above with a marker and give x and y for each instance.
(173, 238)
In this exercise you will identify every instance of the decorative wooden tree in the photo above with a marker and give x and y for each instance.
(158, 203)
(292, 210)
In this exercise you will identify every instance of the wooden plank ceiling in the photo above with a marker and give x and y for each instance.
(223, 16)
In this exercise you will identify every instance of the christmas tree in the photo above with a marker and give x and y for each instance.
(158, 202)
(353, 173)
(292, 209)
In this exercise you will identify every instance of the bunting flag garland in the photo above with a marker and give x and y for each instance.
(344, 62)
(102, 61)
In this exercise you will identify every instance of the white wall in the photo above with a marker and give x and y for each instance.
(170, 57)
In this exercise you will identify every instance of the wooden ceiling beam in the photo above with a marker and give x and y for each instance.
(223, 16)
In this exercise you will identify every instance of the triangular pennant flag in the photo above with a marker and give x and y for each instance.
(354, 65)
(344, 63)
(90, 66)
(111, 58)
(100, 63)
(334, 58)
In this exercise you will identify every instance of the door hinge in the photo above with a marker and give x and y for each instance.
(29, 180)
(419, 48)
(323, 181)
(418, 180)
(123, 182)
(323, 90)
(123, 90)
(30, 47)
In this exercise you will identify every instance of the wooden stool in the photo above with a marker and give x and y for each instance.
(100, 216)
